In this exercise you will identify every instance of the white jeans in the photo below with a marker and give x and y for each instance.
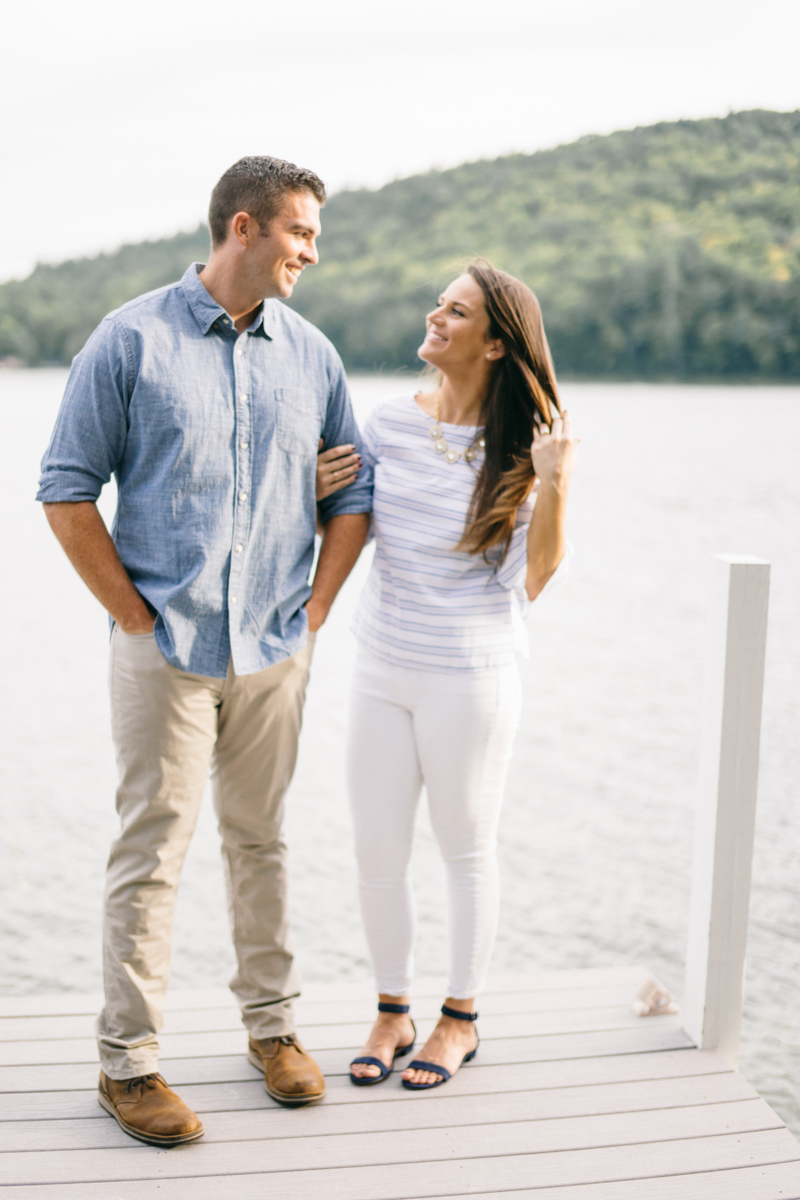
(453, 732)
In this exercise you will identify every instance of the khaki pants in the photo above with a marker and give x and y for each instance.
(169, 728)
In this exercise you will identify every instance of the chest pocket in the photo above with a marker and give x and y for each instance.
(299, 421)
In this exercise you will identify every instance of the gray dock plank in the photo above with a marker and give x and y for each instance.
(647, 1035)
(421, 1145)
(322, 1012)
(479, 1080)
(332, 1037)
(781, 1181)
(420, 1180)
(440, 1110)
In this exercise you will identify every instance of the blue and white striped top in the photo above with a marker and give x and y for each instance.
(426, 604)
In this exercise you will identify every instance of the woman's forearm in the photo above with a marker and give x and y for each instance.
(546, 536)
(553, 456)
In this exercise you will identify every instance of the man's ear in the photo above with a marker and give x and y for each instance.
(244, 228)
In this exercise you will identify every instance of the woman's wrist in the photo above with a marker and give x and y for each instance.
(554, 485)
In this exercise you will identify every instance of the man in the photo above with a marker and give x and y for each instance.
(207, 400)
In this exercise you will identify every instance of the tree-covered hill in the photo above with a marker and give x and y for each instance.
(667, 251)
(47, 317)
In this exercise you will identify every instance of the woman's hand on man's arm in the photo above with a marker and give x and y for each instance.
(336, 468)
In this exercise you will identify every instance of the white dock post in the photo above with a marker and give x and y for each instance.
(726, 808)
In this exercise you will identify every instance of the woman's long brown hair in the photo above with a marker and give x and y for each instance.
(522, 394)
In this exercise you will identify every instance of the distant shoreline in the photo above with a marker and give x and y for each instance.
(709, 381)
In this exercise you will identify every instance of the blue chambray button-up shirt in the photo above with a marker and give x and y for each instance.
(213, 438)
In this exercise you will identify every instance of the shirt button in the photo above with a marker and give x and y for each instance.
(242, 495)
(239, 350)
(243, 396)
(239, 549)
(244, 445)
(233, 599)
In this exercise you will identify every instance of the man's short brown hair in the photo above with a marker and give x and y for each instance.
(257, 185)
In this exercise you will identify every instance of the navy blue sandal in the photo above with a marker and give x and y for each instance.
(419, 1064)
(385, 1072)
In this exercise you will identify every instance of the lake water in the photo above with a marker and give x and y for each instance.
(597, 829)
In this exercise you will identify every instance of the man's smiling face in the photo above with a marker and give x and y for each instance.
(288, 245)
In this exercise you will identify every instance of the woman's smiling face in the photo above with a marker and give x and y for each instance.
(457, 330)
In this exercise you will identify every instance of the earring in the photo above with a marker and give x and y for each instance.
(488, 356)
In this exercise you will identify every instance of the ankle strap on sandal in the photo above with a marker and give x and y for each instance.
(393, 1008)
(459, 1016)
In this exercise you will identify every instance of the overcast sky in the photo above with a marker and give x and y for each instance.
(119, 117)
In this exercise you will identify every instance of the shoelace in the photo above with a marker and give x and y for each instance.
(151, 1080)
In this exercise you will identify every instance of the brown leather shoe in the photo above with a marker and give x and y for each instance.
(148, 1110)
(290, 1075)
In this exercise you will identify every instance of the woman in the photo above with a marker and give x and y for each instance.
(460, 551)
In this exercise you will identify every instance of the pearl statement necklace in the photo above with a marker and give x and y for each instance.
(441, 446)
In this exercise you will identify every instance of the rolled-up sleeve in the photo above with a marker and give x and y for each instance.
(89, 437)
(341, 429)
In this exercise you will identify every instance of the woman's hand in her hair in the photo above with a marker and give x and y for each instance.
(553, 453)
(336, 468)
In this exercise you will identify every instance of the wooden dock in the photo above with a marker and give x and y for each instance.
(571, 1097)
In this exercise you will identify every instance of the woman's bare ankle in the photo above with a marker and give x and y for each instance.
(393, 1020)
(386, 998)
(455, 1029)
(466, 1006)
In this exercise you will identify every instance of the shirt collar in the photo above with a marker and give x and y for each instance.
(206, 311)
